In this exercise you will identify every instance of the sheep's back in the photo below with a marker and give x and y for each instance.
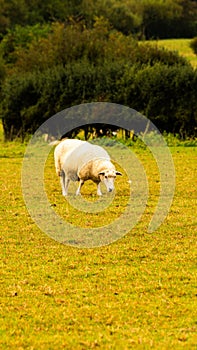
(79, 157)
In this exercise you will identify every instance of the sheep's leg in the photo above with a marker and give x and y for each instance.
(58, 166)
(81, 182)
(99, 193)
(64, 183)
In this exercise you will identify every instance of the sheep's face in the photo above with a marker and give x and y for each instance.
(108, 178)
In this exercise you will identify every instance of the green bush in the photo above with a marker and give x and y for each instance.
(20, 38)
(40, 48)
(28, 100)
(165, 94)
(19, 94)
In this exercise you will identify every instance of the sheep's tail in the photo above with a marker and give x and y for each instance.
(54, 143)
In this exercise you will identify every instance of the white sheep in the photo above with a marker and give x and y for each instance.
(81, 161)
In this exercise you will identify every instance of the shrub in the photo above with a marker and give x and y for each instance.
(19, 93)
(28, 100)
(164, 94)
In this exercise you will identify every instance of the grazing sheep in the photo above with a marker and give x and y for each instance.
(81, 161)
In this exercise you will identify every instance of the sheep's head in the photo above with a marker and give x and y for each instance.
(108, 177)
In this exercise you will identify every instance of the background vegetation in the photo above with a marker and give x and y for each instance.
(55, 54)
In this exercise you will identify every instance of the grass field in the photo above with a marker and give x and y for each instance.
(182, 46)
(137, 293)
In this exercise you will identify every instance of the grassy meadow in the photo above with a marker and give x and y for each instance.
(182, 46)
(137, 293)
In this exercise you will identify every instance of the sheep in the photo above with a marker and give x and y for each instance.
(77, 160)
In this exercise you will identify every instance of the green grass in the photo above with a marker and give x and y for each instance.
(182, 46)
(137, 293)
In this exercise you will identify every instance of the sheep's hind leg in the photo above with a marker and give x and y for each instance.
(64, 183)
(81, 182)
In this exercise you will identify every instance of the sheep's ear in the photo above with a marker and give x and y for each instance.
(102, 173)
(118, 173)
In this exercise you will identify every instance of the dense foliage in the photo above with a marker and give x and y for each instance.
(152, 18)
(55, 54)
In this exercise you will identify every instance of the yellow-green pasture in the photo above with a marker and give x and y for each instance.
(182, 46)
(137, 293)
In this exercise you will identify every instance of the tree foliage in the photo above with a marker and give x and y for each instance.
(152, 18)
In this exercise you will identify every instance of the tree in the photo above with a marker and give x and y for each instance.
(172, 18)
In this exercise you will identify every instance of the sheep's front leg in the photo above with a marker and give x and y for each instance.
(64, 183)
(99, 193)
(81, 182)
